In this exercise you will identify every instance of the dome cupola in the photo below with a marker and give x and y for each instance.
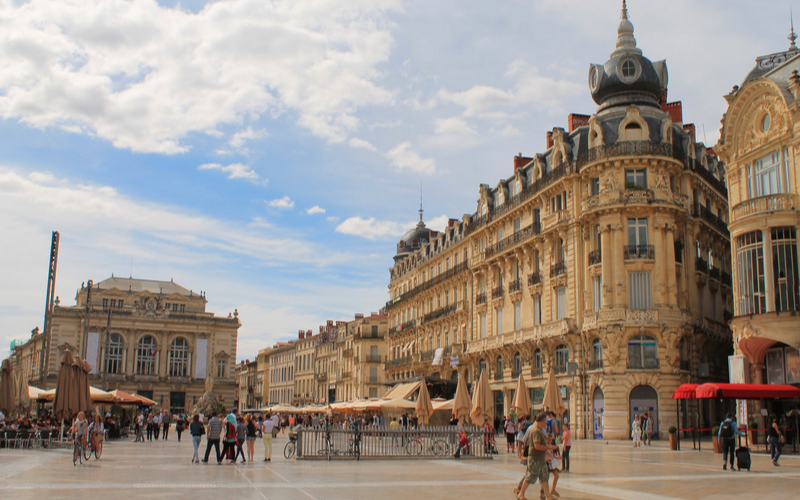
(627, 78)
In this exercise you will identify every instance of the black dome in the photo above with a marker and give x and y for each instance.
(627, 77)
(413, 240)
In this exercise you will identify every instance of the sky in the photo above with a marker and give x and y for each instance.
(272, 153)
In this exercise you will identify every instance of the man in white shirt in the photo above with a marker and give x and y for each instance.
(270, 423)
(156, 425)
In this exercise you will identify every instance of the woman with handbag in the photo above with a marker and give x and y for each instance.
(775, 438)
(197, 430)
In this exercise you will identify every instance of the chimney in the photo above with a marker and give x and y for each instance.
(549, 140)
(575, 120)
(520, 161)
(359, 315)
(452, 222)
(300, 334)
(309, 334)
(330, 322)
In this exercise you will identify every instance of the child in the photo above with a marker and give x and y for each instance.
(552, 462)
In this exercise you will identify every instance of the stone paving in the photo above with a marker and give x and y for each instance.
(599, 471)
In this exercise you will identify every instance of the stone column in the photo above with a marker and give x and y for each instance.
(607, 265)
(659, 268)
(671, 283)
(618, 283)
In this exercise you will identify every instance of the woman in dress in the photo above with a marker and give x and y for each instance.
(636, 432)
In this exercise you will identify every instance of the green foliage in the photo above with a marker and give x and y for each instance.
(672, 429)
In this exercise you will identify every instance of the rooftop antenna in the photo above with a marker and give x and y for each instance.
(420, 201)
(792, 35)
(131, 275)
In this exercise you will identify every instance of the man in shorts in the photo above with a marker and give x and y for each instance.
(538, 469)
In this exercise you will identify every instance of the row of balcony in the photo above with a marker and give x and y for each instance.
(444, 311)
(639, 252)
(707, 176)
(712, 219)
(517, 237)
(455, 270)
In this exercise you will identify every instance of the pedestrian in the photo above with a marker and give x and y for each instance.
(139, 428)
(775, 439)
(251, 436)
(241, 437)
(521, 428)
(156, 425)
(197, 430)
(537, 468)
(636, 431)
(166, 421)
(179, 427)
(149, 426)
(727, 436)
(567, 439)
(510, 425)
(647, 428)
(552, 463)
(212, 436)
(269, 428)
(229, 436)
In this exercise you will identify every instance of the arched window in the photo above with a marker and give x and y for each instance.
(116, 346)
(562, 358)
(642, 352)
(146, 356)
(537, 363)
(596, 362)
(481, 367)
(178, 357)
(517, 368)
(498, 374)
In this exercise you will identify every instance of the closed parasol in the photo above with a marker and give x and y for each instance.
(23, 395)
(482, 404)
(424, 407)
(63, 403)
(552, 397)
(462, 402)
(522, 398)
(8, 387)
(81, 382)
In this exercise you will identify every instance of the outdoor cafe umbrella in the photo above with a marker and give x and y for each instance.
(522, 398)
(65, 401)
(23, 394)
(461, 403)
(424, 404)
(8, 387)
(482, 404)
(552, 397)
(82, 369)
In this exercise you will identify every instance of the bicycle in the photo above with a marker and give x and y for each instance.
(77, 451)
(437, 447)
(291, 447)
(354, 446)
(97, 449)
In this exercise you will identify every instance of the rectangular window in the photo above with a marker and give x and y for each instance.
(597, 289)
(221, 368)
(113, 303)
(374, 331)
(561, 302)
(499, 235)
(785, 272)
(637, 231)
(373, 374)
(517, 315)
(749, 174)
(120, 303)
(594, 186)
(750, 273)
(517, 225)
(639, 294)
(373, 393)
(499, 316)
(105, 303)
(636, 178)
(482, 319)
(537, 309)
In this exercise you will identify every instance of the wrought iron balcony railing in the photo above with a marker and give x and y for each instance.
(497, 292)
(534, 278)
(639, 252)
(558, 269)
(595, 257)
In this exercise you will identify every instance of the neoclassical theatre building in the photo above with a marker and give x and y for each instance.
(149, 337)
(605, 259)
(759, 141)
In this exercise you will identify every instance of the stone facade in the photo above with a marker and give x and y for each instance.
(281, 373)
(603, 259)
(760, 142)
(148, 337)
(304, 384)
(362, 353)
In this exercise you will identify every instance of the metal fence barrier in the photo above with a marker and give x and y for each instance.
(382, 442)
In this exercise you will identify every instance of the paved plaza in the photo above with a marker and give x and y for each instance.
(599, 471)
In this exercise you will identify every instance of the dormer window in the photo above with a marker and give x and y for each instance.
(628, 69)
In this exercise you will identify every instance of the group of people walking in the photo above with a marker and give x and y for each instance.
(540, 451)
(158, 424)
(642, 429)
(233, 432)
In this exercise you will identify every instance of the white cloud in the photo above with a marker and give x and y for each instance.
(372, 229)
(238, 139)
(355, 142)
(454, 126)
(507, 131)
(316, 209)
(404, 158)
(332, 218)
(284, 203)
(235, 171)
(144, 76)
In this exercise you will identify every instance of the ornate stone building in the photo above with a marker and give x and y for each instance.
(362, 353)
(148, 337)
(304, 384)
(759, 142)
(326, 360)
(281, 373)
(247, 375)
(604, 259)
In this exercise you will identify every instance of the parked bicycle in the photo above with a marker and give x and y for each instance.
(327, 448)
(436, 447)
(291, 447)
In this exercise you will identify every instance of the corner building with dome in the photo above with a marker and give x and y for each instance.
(605, 259)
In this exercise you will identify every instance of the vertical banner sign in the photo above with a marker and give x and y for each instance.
(201, 355)
(438, 356)
(92, 353)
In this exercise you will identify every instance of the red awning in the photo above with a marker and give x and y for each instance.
(747, 391)
(686, 391)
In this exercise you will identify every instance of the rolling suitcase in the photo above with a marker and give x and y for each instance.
(743, 458)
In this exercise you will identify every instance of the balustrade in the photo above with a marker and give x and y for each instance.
(595, 257)
(639, 252)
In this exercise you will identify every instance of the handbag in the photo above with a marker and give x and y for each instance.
(782, 439)
(275, 432)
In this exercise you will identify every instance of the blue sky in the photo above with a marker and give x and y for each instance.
(271, 153)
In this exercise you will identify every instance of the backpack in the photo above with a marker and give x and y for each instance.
(726, 430)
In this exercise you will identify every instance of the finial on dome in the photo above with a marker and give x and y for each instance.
(792, 35)
(626, 43)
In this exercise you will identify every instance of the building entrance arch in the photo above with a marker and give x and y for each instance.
(644, 398)
(598, 411)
